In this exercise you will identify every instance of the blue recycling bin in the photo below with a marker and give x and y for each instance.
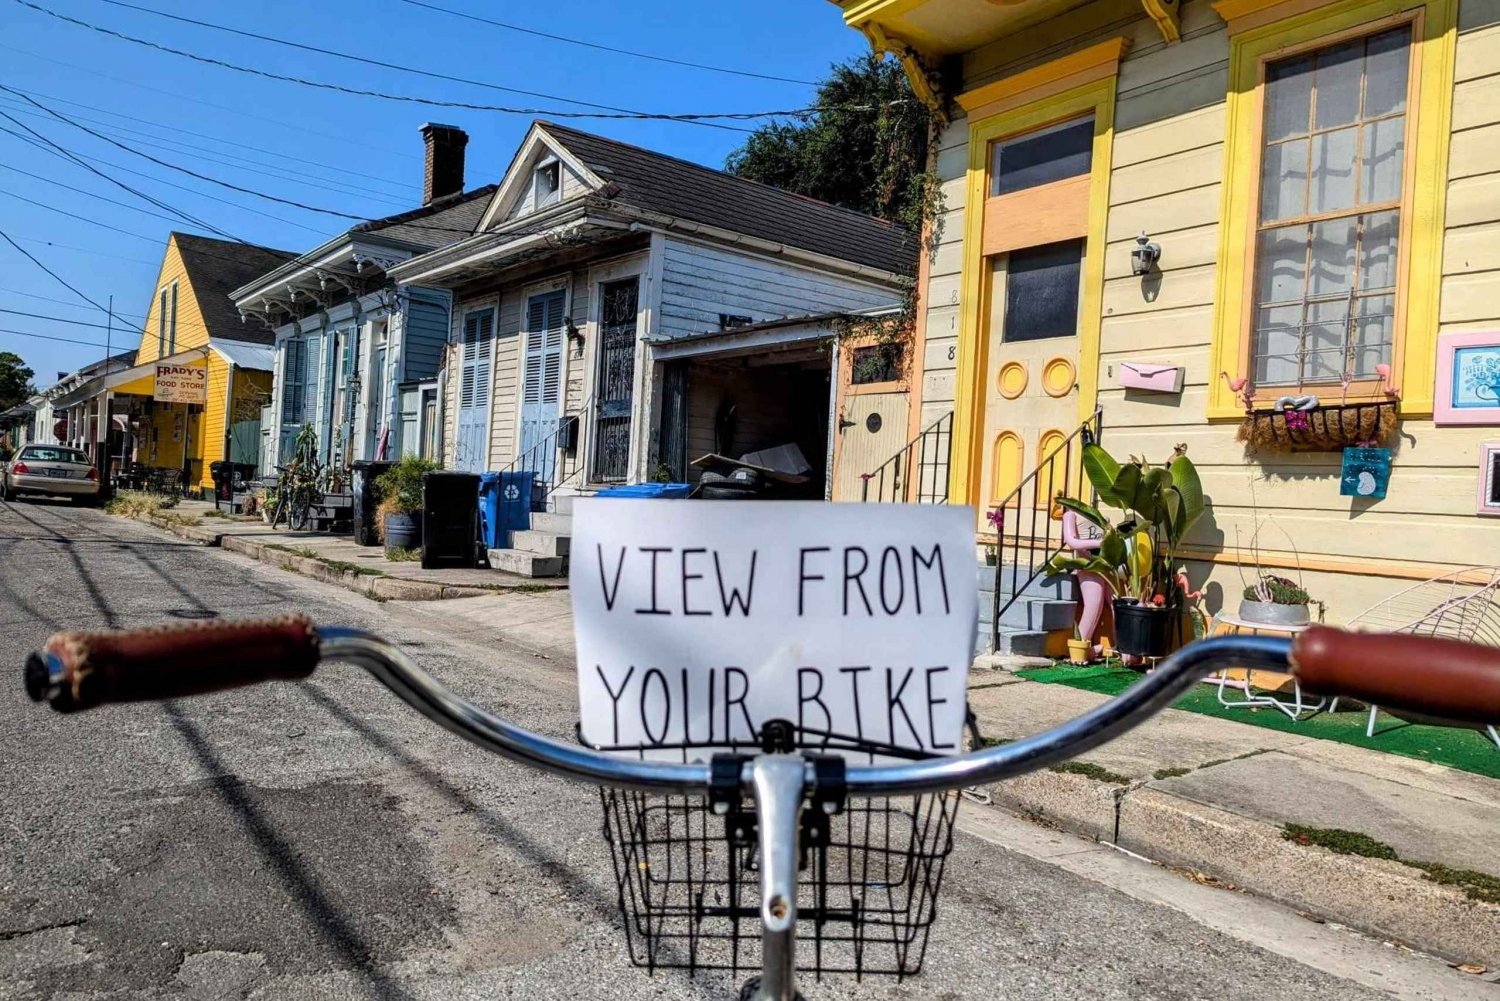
(649, 491)
(504, 506)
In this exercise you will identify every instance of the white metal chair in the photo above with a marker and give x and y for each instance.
(1462, 605)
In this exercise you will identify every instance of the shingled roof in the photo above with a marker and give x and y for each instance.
(218, 267)
(665, 184)
(447, 220)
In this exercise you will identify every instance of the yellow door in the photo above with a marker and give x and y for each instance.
(871, 432)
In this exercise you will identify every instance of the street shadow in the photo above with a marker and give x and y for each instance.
(300, 883)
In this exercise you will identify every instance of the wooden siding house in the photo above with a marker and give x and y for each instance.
(619, 313)
(1322, 180)
(357, 354)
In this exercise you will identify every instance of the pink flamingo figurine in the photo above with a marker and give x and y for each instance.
(1241, 387)
(1094, 592)
(1384, 371)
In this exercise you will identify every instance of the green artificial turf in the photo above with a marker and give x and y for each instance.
(1467, 750)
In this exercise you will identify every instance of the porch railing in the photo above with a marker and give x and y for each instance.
(1026, 534)
(918, 474)
(552, 471)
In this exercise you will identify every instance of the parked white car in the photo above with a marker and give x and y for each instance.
(50, 470)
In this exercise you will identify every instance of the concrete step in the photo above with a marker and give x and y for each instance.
(526, 564)
(552, 521)
(561, 503)
(1031, 613)
(541, 543)
(1026, 642)
(1060, 587)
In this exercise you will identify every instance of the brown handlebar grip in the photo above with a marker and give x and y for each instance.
(1424, 675)
(81, 670)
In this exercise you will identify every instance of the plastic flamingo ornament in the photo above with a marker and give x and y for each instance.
(1241, 387)
(1384, 371)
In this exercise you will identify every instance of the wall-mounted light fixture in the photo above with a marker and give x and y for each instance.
(1145, 255)
(575, 335)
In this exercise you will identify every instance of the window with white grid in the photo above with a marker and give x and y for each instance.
(1329, 226)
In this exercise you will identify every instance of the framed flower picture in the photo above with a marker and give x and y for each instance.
(1468, 379)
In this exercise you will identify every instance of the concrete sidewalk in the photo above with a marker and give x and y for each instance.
(1215, 797)
(337, 559)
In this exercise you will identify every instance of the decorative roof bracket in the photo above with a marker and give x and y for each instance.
(382, 262)
(925, 82)
(1167, 15)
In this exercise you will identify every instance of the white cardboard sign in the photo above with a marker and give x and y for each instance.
(698, 621)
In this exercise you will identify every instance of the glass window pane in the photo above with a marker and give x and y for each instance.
(1041, 291)
(1333, 159)
(1332, 257)
(1381, 159)
(1328, 323)
(1374, 328)
(1283, 181)
(1281, 264)
(1337, 84)
(1386, 72)
(1288, 94)
(1052, 154)
(1277, 335)
(1377, 254)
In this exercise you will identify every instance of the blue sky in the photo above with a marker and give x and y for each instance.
(354, 154)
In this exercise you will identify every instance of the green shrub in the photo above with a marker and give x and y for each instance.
(1280, 590)
(399, 489)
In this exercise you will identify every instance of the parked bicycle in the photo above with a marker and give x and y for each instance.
(299, 485)
(786, 842)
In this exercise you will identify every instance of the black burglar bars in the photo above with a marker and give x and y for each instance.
(918, 474)
(1023, 519)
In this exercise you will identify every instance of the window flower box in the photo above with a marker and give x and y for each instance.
(1323, 429)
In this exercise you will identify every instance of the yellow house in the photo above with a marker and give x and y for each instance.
(1155, 209)
(195, 340)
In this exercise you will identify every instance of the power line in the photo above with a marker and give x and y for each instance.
(55, 276)
(85, 250)
(60, 302)
(80, 218)
(280, 123)
(48, 337)
(382, 63)
(158, 180)
(81, 191)
(212, 138)
(602, 48)
(235, 162)
(713, 119)
(58, 319)
(117, 183)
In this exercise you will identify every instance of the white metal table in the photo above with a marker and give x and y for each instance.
(1294, 707)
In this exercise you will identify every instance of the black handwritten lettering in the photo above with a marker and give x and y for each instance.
(666, 700)
(687, 708)
(734, 597)
(610, 594)
(803, 576)
(916, 577)
(854, 673)
(736, 700)
(686, 608)
(893, 703)
(709, 709)
(932, 737)
(892, 555)
(817, 696)
(856, 577)
(655, 609)
(614, 696)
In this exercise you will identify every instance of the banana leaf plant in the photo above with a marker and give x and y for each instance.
(1160, 504)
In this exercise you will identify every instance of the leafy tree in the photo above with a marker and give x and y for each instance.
(863, 148)
(15, 380)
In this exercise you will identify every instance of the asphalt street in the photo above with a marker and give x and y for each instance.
(319, 840)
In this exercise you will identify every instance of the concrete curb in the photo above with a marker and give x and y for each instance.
(379, 588)
(1383, 898)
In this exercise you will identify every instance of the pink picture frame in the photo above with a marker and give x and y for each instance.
(1459, 399)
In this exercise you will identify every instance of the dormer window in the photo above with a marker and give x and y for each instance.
(546, 183)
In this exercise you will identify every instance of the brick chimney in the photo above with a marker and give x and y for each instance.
(444, 174)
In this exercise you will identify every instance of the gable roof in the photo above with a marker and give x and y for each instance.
(215, 268)
(665, 184)
(447, 220)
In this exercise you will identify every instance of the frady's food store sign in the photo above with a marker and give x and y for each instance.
(181, 384)
(697, 622)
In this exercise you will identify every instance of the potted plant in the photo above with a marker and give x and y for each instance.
(1160, 504)
(1078, 649)
(399, 489)
(1275, 601)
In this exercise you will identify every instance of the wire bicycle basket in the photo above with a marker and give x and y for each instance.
(688, 874)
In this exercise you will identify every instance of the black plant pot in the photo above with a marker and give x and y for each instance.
(1142, 630)
(402, 531)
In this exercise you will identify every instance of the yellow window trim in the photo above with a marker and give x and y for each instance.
(1419, 278)
(964, 485)
(1090, 65)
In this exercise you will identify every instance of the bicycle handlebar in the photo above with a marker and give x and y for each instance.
(1435, 677)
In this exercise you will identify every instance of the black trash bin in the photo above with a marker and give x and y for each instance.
(363, 474)
(227, 477)
(450, 521)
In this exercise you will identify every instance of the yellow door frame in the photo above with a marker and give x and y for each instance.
(1098, 97)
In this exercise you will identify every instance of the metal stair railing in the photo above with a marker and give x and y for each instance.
(1029, 527)
(550, 476)
(893, 482)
